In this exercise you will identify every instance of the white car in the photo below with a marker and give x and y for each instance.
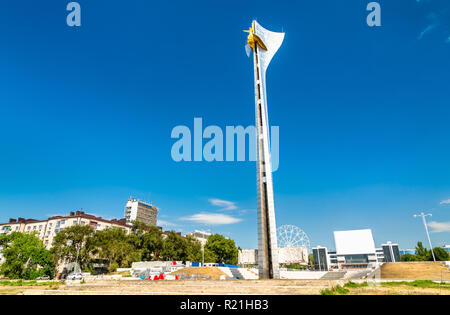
(43, 278)
(75, 276)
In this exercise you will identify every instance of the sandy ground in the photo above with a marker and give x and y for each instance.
(210, 273)
(415, 270)
(19, 290)
(211, 287)
(185, 287)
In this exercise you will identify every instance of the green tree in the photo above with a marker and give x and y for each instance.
(409, 257)
(136, 241)
(152, 244)
(193, 249)
(223, 249)
(174, 247)
(440, 254)
(75, 241)
(422, 254)
(114, 245)
(139, 227)
(25, 257)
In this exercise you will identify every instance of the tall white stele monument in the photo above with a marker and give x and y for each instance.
(264, 45)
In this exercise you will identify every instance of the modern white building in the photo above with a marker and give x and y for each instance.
(391, 252)
(355, 249)
(201, 236)
(321, 258)
(137, 210)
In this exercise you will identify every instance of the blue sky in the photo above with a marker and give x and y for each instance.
(86, 113)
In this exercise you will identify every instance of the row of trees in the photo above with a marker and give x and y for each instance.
(424, 254)
(27, 258)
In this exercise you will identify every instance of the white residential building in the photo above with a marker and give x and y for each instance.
(137, 210)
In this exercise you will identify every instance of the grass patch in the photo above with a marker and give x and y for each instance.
(31, 283)
(354, 285)
(389, 288)
(326, 292)
(418, 284)
(343, 290)
(337, 290)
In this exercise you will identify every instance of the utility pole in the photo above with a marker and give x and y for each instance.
(426, 229)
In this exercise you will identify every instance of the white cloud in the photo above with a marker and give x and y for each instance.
(212, 219)
(445, 202)
(226, 205)
(426, 30)
(245, 211)
(167, 224)
(439, 227)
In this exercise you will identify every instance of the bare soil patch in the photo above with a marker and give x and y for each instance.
(206, 272)
(188, 287)
(415, 270)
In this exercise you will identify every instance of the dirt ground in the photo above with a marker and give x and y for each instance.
(212, 287)
(415, 270)
(185, 287)
(212, 273)
(19, 290)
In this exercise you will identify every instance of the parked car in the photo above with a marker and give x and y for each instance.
(75, 276)
(43, 278)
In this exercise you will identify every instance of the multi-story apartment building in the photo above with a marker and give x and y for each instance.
(47, 229)
(137, 210)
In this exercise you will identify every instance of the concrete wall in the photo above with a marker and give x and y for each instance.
(302, 275)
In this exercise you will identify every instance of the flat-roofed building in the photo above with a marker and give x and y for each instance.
(137, 210)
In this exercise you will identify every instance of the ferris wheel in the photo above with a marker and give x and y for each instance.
(290, 237)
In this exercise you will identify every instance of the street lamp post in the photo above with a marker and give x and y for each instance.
(426, 229)
(203, 254)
